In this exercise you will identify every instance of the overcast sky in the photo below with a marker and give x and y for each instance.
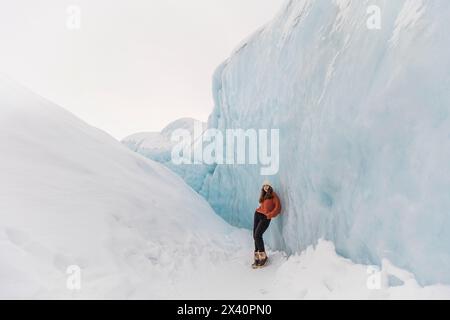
(134, 65)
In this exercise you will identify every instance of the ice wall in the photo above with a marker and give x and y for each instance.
(364, 130)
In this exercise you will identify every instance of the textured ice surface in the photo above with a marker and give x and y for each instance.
(364, 130)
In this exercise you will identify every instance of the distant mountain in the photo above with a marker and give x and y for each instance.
(158, 147)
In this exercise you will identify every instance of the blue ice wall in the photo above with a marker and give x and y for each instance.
(364, 130)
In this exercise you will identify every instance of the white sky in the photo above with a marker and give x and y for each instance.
(133, 65)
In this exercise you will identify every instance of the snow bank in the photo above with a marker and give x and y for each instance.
(319, 273)
(72, 195)
(364, 130)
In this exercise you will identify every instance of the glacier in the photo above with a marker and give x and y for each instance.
(364, 128)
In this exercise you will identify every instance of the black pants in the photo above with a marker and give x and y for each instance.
(260, 225)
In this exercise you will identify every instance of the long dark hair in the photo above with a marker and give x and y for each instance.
(266, 195)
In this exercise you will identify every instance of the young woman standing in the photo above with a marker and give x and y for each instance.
(269, 208)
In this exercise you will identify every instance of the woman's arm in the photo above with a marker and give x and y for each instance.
(277, 209)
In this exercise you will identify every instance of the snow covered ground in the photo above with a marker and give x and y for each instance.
(72, 195)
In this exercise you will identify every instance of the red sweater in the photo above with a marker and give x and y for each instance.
(270, 207)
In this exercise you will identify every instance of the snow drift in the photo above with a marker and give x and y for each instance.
(364, 130)
(72, 195)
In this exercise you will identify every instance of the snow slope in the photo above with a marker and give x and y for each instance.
(72, 195)
(158, 146)
(364, 130)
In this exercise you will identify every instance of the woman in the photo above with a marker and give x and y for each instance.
(270, 207)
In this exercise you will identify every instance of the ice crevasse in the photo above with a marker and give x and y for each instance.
(364, 130)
